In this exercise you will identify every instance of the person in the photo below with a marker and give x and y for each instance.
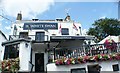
(98, 68)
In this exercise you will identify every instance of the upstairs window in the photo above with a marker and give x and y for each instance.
(65, 31)
(40, 36)
(23, 35)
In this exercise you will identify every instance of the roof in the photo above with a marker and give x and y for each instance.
(3, 34)
(15, 41)
(115, 38)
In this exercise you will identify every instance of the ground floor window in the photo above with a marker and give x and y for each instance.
(115, 67)
(78, 70)
(11, 51)
(94, 68)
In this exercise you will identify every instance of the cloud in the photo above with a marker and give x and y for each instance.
(102, 17)
(29, 8)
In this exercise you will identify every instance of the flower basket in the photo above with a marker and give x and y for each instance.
(84, 59)
(110, 44)
(10, 65)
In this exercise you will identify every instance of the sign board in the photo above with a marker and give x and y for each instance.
(59, 38)
(66, 37)
(34, 26)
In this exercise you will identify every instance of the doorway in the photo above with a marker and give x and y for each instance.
(39, 62)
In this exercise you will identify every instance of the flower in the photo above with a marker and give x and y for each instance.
(11, 65)
(84, 59)
(110, 44)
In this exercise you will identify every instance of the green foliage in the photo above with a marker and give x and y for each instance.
(104, 27)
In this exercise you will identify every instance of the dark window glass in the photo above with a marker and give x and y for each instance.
(23, 35)
(40, 36)
(65, 31)
(115, 67)
(78, 70)
(11, 51)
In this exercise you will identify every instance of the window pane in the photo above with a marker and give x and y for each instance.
(40, 36)
(65, 31)
(23, 35)
(78, 70)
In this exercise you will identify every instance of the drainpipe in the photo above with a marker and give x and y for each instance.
(54, 53)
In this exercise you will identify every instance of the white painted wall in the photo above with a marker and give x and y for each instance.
(2, 39)
(33, 59)
(24, 55)
(106, 66)
(69, 25)
(119, 66)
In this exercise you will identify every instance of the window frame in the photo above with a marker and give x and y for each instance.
(39, 38)
(11, 51)
(65, 31)
(74, 69)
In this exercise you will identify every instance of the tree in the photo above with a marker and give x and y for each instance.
(104, 27)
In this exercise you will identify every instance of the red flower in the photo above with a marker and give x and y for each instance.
(86, 57)
(110, 44)
(68, 62)
(96, 57)
(61, 62)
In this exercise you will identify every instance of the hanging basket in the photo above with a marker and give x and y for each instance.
(110, 44)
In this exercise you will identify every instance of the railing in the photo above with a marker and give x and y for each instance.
(32, 37)
(85, 50)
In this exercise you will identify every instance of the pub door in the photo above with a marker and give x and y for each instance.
(39, 62)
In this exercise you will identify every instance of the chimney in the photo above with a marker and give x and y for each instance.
(19, 16)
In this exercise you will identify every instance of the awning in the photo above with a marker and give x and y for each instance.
(17, 41)
(59, 38)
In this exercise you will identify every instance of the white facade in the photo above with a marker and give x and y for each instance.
(105, 66)
(34, 50)
(72, 32)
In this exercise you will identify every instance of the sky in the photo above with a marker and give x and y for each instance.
(83, 11)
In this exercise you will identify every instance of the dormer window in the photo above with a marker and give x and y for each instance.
(65, 31)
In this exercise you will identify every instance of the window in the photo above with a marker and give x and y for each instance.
(40, 36)
(96, 68)
(23, 35)
(65, 31)
(78, 70)
(11, 51)
(115, 67)
(15, 30)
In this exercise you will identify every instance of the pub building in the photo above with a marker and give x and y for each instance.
(56, 45)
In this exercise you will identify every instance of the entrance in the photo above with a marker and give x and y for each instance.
(39, 62)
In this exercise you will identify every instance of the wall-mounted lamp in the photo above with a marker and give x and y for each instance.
(26, 45)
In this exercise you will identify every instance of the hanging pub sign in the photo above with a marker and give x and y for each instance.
(34, 26)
